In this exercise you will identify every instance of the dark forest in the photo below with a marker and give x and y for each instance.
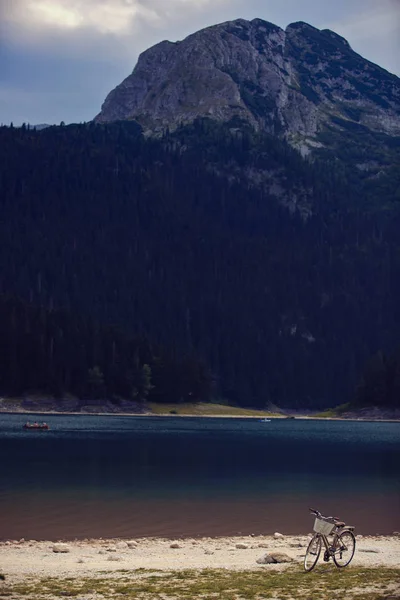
(165, 268)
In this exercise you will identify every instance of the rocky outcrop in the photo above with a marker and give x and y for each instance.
(295, 83)
(61, 548)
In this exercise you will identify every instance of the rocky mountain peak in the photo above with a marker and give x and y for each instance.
(336, 37)
(294, 83)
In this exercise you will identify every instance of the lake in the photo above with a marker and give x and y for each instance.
(118, 476)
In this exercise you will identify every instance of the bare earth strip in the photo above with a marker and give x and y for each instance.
(218, 568)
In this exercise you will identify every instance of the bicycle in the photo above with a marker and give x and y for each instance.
(341, 548)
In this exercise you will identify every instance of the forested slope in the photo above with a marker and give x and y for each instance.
(181, 241)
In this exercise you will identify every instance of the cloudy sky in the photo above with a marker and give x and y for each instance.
(59, 58)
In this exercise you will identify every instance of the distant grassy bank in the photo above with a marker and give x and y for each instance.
(367, 413)
(333, 413)
(39, 405)
(70, 405)
(203, 409)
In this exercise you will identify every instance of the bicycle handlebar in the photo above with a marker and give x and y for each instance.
(318, 514)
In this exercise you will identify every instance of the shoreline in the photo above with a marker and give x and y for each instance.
(221, 568)
(90, 556)
(54, 413)
(41, 405)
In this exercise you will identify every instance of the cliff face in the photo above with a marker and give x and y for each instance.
(296, 83)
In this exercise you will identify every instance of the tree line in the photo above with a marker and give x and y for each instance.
(56, 353)
(380, 382)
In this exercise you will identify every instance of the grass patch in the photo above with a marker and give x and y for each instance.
(324, 583)
(331, 413)
(204, 409)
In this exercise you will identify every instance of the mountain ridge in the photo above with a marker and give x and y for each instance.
(291, 83)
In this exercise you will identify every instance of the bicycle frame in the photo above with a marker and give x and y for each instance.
(331, 548)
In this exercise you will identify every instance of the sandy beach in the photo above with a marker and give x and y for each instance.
(208, 568)
(88, 557)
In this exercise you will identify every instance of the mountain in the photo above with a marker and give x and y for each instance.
(185, 215)
(305, 85)
(302, 85)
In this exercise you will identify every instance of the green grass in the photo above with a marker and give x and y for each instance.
(324, 583)
(332, 413)
(203, 409)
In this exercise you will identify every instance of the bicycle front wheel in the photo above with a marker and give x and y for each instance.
(344, 549)
(312, 553)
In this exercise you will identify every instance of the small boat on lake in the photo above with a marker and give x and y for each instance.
(35, 425)
(265, 420)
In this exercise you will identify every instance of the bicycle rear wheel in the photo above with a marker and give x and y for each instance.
(344, 549)
(312, 553)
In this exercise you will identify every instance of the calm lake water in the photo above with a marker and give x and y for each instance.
(114, 476)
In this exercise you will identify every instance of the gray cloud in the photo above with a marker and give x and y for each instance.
(59, 58)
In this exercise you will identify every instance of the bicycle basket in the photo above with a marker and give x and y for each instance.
(323, 526)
